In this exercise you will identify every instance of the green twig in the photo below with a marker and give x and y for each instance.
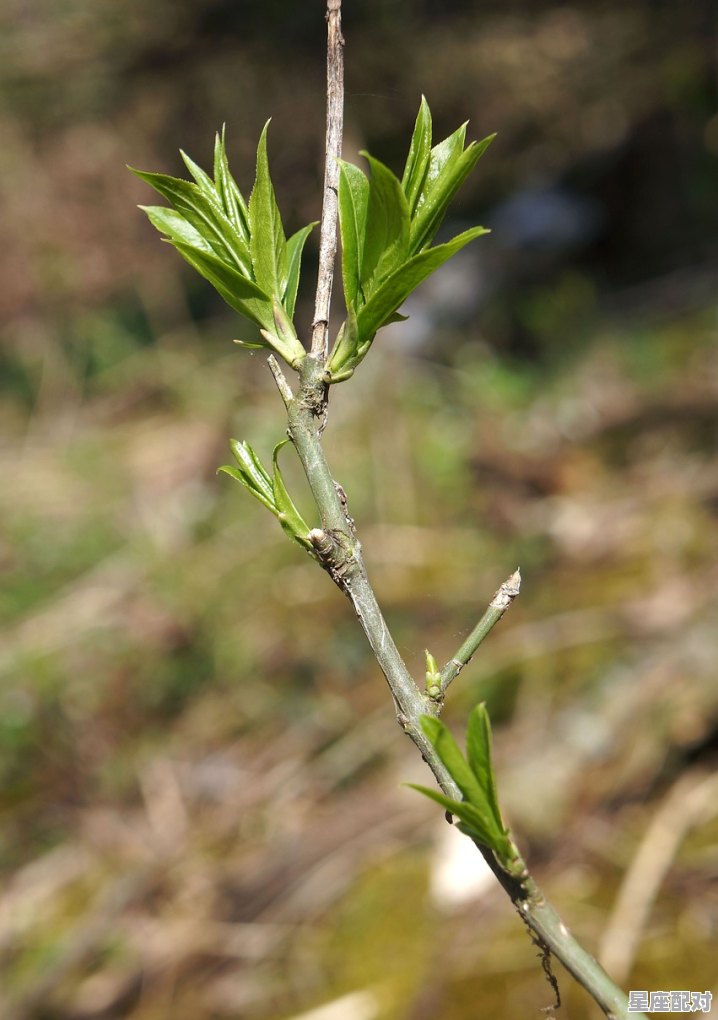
(339, 550)
(497, 607)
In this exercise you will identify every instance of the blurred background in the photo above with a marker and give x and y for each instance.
(202, 809)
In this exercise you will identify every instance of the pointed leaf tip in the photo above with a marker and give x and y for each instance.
(268, 244)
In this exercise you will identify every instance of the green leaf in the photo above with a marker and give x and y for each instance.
(441, 157)
(231, 197)
(392, 293)
(271, 492)
(295, 247)
(386, 235)
(289, 517)
(476, 823)
(449, 752)
(353, 201)
(240, 293)
(239, 476)
(449, 167)
(432, 667)
(254, 473)
(478, 752)
(267, 243)
(204, 215)
(344, 352)
(204, 181)
(252, 464)
(417, 161)
(175, 226)
(283, 337)
(433, 676)
(253, 345)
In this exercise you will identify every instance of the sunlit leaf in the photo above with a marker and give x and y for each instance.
(253, 345)
(353, 201)
(295, 247)
(204, 181)
(344, 352)
(449, 167)
(255, 472)
(392, 293)
(417, 161)
(449, 752)
(386, 234)
(205, 216)
(289, 517)
(476, 823)
(240, 293)
(175, 226)
(267, 243)
(478, 752)
(283, 336)
(231, 197)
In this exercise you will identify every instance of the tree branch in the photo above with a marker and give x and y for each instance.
(339, 550)
(333, 151)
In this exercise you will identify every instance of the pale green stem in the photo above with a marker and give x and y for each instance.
(339, 550)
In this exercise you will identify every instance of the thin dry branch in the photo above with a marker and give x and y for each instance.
(333, 151)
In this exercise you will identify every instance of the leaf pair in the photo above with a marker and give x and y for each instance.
(269, 490)
(387, 227)
(240, 248)
(478, 813)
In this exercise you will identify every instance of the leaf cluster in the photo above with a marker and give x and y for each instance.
(387, 227)
(239, 247)
(478, 813)
(270, 490)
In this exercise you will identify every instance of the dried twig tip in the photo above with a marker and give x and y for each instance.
(508, 591)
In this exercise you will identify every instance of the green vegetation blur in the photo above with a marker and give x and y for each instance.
(202, 815)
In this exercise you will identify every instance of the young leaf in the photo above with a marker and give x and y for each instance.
(417, 161)
(395, 289)
(175, 226)
(353, 201)
(442, 156)
(289, 517)
(478, 752)
(204, 215)
(255, 473)
(448, 169)
(240, 293)
(433, 676)
(476, 823)
(239, 476)
(203, 180)
(267, 244)
(343, 355)
(253, 345)
(231, 197)
(449, 752)
(283, 337)
(295, 247)
(386, 235)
